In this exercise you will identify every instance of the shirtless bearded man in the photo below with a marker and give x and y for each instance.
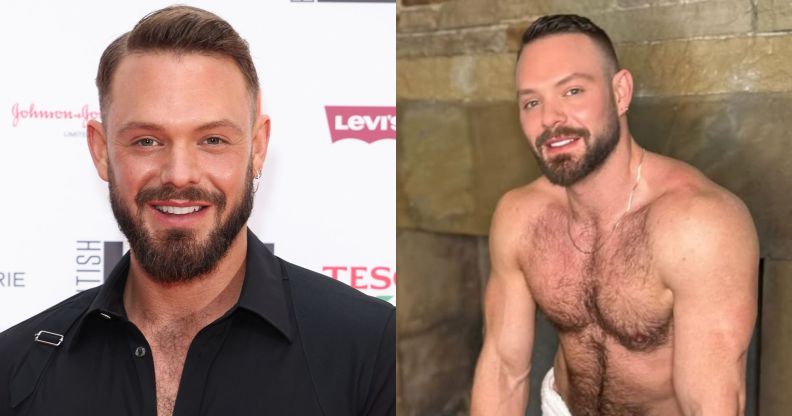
(646, 268)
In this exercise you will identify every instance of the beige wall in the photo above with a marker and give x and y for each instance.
(713, 85)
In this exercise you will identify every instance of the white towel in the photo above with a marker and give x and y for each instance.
(552, 403)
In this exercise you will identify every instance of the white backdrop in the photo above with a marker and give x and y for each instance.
(326, 204)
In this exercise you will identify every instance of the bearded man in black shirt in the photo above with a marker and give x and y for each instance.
(199, 318)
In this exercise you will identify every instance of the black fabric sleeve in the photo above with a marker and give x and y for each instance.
(381, 400)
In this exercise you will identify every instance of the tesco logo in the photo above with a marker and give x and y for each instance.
(363, 277)
(367, 124)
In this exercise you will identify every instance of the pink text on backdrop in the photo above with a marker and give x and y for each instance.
(367, 124)
(31, 112)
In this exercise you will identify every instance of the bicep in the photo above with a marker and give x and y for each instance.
(508, 305)
(714, 280)
(509, 320)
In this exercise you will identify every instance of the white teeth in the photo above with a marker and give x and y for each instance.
(561, 143)
(177, 210)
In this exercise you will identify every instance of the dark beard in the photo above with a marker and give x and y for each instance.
(178, 257)
(563, 170)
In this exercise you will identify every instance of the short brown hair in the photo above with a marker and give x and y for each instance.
(570, 23)
(179, 29)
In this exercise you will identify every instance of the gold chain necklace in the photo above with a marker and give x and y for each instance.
(618, 222)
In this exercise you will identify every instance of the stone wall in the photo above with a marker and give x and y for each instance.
(713, 86)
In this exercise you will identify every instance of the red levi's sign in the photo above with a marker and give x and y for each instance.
(368, 124)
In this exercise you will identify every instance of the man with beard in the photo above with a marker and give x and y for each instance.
(645, 267)
(199, 318)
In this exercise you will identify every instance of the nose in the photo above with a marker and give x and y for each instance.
(553, 114)
(181, 167)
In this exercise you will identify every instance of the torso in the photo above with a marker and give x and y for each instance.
(612, 311)
(169, 345)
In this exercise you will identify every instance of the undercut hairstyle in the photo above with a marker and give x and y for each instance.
(177, 29)
(570, 23)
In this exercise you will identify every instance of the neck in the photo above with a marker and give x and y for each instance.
(602, 197)
(205, 298)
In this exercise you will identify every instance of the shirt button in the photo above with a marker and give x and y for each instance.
(140, 351)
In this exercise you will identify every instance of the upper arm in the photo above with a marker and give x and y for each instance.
(508, 305)
(710, 252)
(381, 393)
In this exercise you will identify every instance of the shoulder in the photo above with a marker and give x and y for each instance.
(519, 210)
(320, 300)
(528, 201)
(17, 340)
(692, 206)
(694, 223)
(349, 341)
(22, 333)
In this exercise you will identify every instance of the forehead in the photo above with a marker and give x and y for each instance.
(556, 56)
(166, 88)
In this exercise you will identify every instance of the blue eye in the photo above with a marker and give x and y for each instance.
(574, 91)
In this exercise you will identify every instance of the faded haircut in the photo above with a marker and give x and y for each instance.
(570, 23)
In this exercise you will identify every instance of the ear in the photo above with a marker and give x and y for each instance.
(261, 133)
(623, 90)
(97, 144)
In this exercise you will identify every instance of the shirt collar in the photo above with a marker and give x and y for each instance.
(263, 292)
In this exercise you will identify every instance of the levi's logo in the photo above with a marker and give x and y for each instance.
(368, 124)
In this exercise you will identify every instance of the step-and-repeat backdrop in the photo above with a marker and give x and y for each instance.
(327, 197)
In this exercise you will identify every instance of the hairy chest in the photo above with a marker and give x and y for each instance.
(614, 290)
(169, 346)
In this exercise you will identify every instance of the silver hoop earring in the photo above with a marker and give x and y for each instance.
(256, 181)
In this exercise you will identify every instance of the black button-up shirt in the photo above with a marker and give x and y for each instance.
(296, 343)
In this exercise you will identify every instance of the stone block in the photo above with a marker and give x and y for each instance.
(465, 13)
(776, 329)
(438, 280)
(435, 166)
(437, 368)
(408, 3)
(458, 78)
(774, 15)
(470, 41)
(677, 20)
(646, 3)
(709, 66)
(663, 20)
(416, 19)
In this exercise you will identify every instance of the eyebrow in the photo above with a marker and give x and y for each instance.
(212, 125)
(570, 77)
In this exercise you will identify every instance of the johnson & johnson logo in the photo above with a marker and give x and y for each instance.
(31, 112)
(368, 124)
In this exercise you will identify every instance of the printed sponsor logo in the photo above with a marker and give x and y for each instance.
(367, 124)
(21, 113)
(12, 280)
(94, 260)
(372, 280)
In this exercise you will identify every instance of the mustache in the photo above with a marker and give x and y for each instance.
(560, 131)
(190, 194)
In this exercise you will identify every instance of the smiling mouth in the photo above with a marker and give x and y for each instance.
(167, 209)
(561, 142)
